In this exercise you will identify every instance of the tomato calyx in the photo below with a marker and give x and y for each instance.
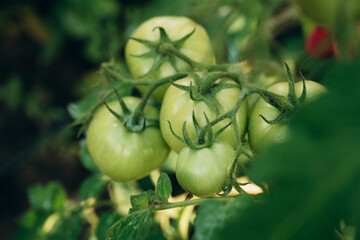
(161, 50)
(286, 105)
(201, 141)
(135, 122)
(205, 89)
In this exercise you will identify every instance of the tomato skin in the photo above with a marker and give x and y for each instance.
(121, 154)
(262, 134)
(178, 107)
(203, 172)
(197, 48)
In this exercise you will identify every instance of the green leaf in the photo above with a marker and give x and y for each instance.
(135, 226)
(163, 187)
(213, 215)
(151, 195)
(139, 201)
(93, 186)
(85, 157)
(107, 219)
(47, 198)
(30, 225)
(68, 226)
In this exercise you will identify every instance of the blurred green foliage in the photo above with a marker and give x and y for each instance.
(312, 180)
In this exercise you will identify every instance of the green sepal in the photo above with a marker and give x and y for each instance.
(149, 44)
(274, 100)
(222, 129)
(115, 114)
(124, 108)
(291, 93)
(137, 126)
(175, 135)
(158, 61)
(178, 43)
(147, 54)
(187, 138)
(196, 124)
(198, 80)
(151, 123)
(237, 186)
(181, 87)
(163, 35)
(218, 87)
(226, 191)
(282, 118)
(210, 138)
(301, 99)
(156, 50)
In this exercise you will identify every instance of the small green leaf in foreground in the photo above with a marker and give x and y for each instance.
(135, 226)
(163, 187)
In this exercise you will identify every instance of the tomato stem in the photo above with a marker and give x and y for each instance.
(187, 203)
(153, 85)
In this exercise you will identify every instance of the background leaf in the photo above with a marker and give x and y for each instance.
(106, 220)
(93, 186)
(47, 198)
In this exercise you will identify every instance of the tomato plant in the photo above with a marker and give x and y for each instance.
(145, 62)
(122, 154)
(203, 118)
(204, 172)
(263, 134)
(178, 106)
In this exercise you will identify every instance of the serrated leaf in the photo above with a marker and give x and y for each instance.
(93, 186)
(47, 198)
(107, 219)
(163, 187)
(85, 157)
(139, 201)
(135, 226)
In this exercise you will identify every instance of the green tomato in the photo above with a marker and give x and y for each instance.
(178, 107)
(121, 154)
(327, 12)
(197, 48)
(204, 172)
(262, 134)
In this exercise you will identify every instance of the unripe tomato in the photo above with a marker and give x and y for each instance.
(121, 154)
(178, 107)
(261, 134)
(203, 172)
(197, 47)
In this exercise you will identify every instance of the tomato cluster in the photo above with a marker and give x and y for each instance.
(203, 118)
